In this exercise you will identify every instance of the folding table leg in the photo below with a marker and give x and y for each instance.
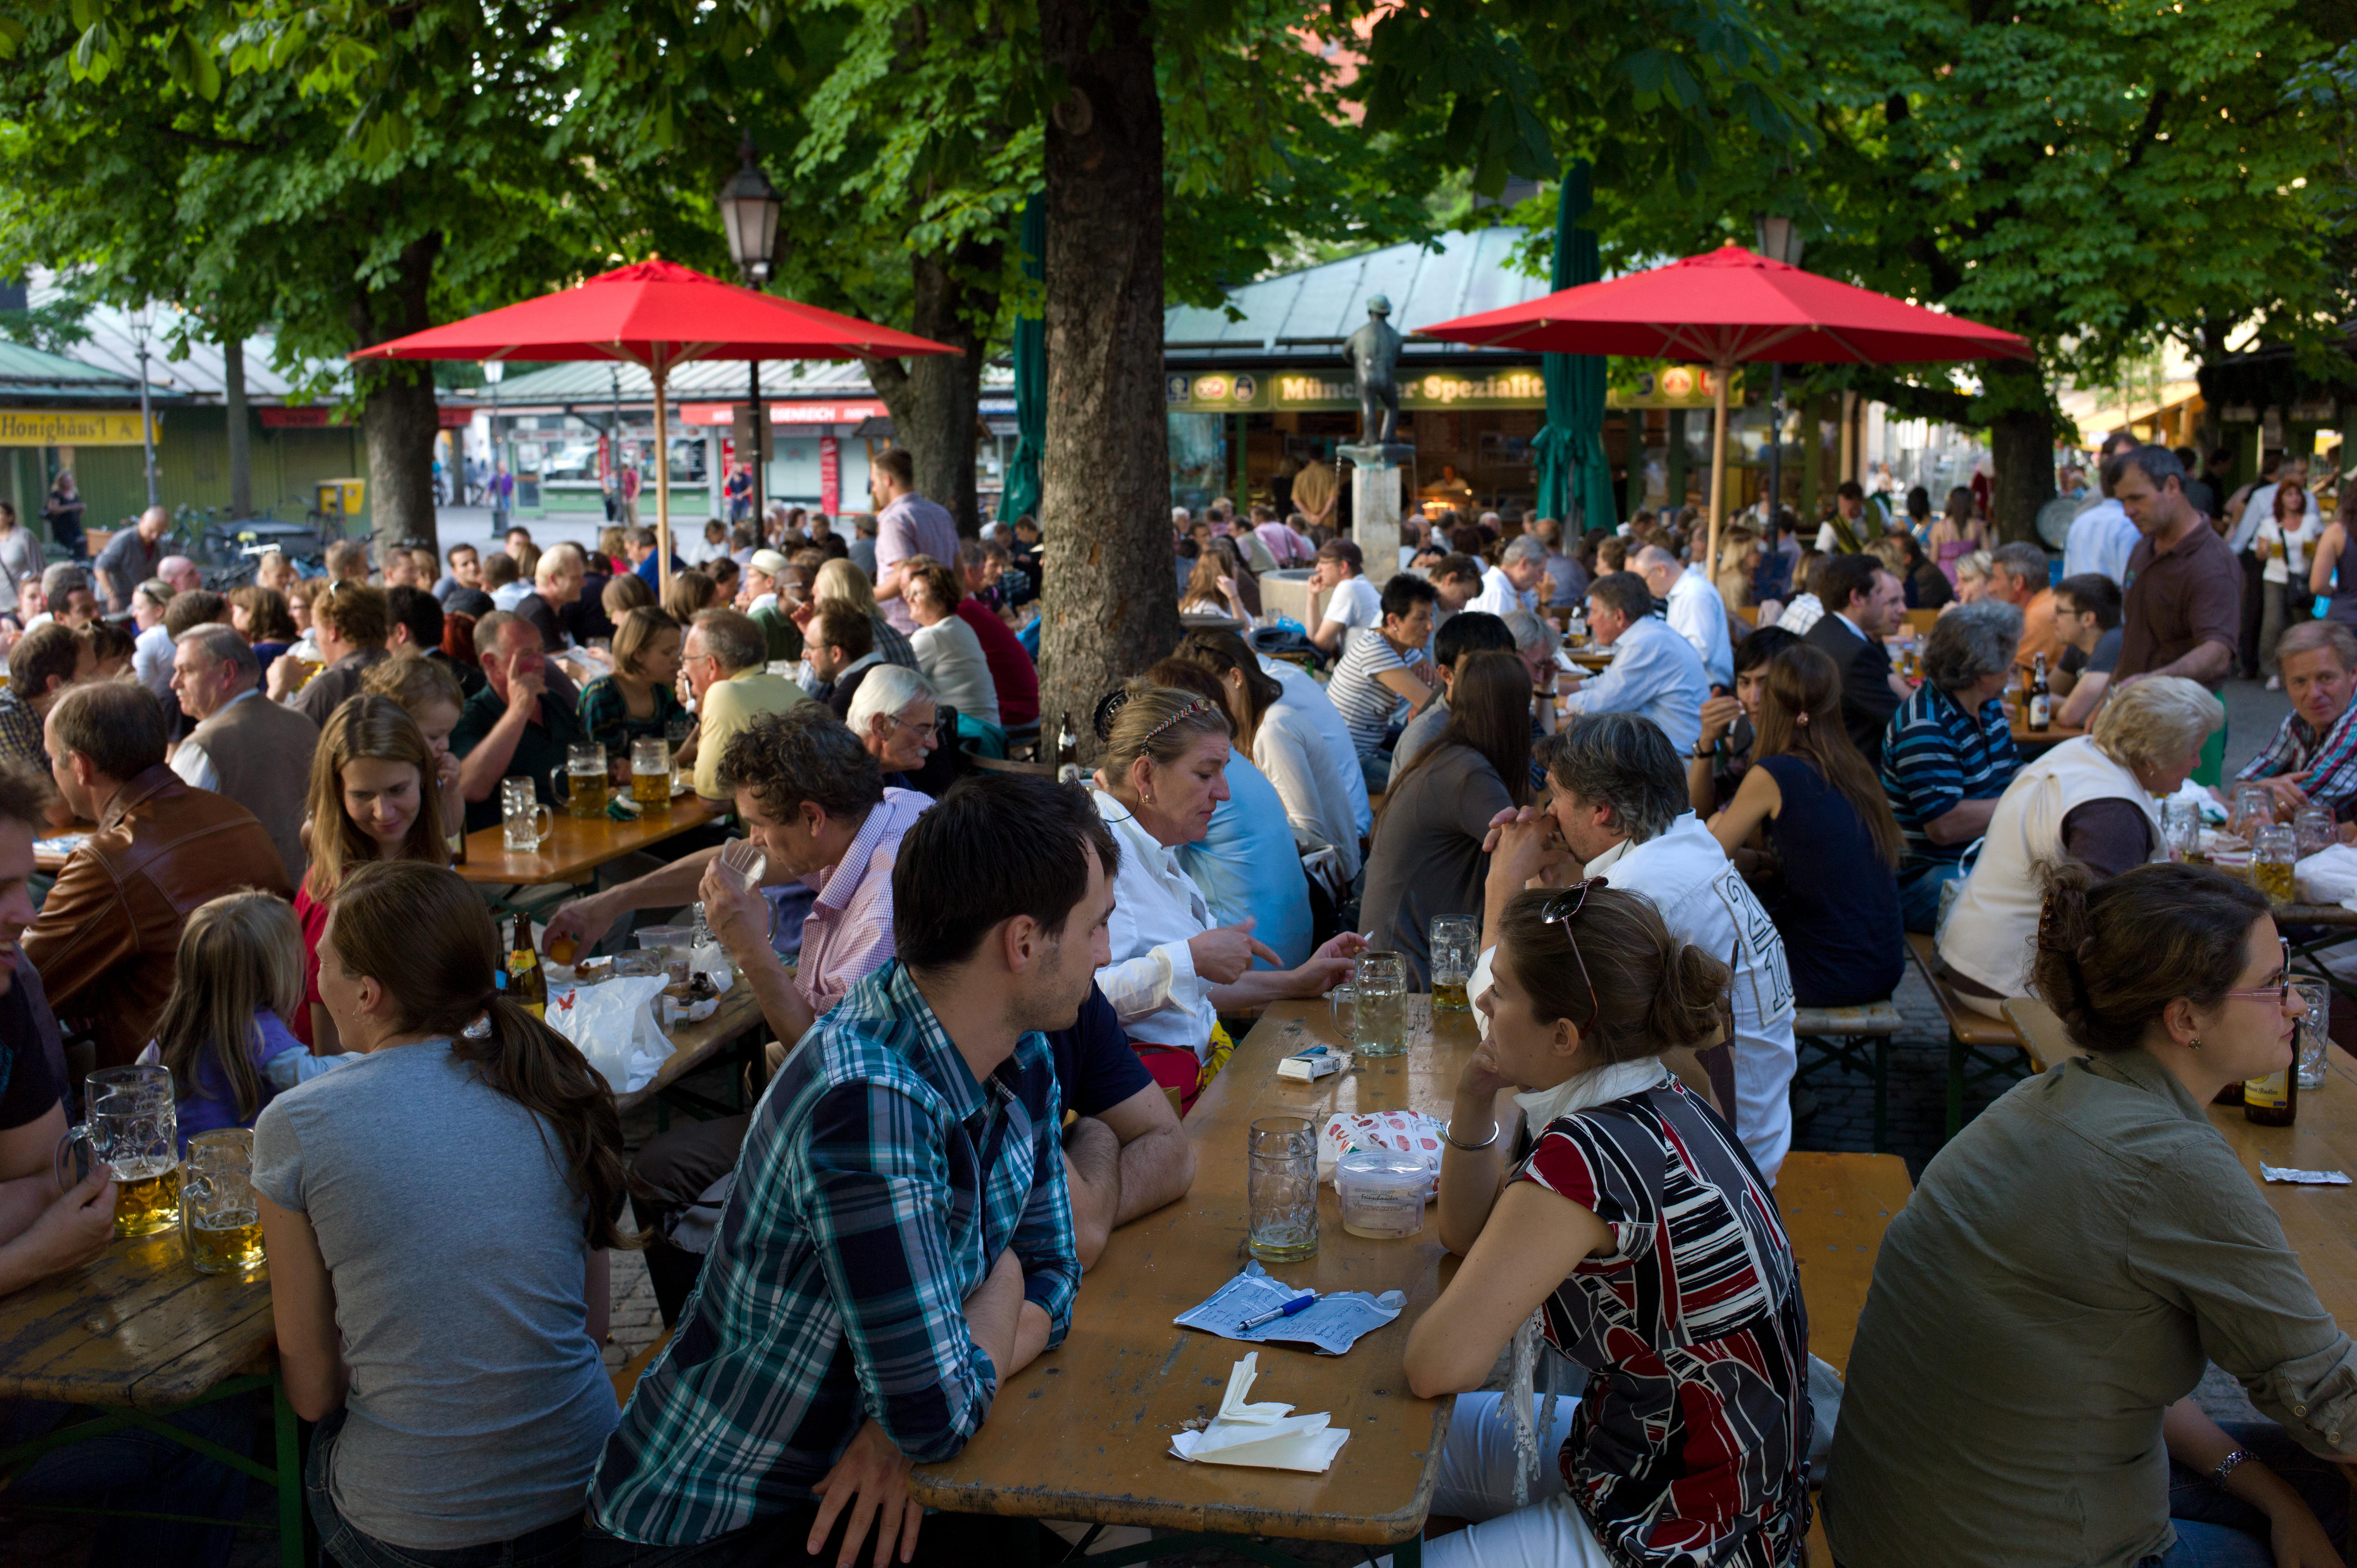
(291, 1553)
(1881, 1094)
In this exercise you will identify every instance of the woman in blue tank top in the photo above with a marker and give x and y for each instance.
(2336, 590)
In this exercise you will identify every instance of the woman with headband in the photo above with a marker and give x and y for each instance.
(1163, 773)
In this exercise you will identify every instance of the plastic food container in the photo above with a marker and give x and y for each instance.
(675, 943)
(1383, 1193)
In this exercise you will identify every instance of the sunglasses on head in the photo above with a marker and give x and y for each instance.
(1560, 910)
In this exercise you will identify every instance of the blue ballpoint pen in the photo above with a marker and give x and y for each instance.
(1301, 1302)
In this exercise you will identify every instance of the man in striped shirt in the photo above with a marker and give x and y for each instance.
(1948, 753)
(1383, 670)
(900, 1241)
(2312, 756)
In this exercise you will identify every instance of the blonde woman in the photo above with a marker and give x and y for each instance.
(370, 802)
(839, 579)
(2090, 800)
(1973, 577)
(1738, 557)
(1172, 972)
(429, 693)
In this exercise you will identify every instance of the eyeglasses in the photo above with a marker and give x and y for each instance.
(901, 721)
(1560, 910)
(2281, 993)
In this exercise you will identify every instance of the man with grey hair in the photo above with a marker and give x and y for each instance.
(255, 751)
(2018, 576)
(1619, 808)
(131, 558)
(1695, 611)
(725, 660)
(1513, 584)
(2312, 756)
(1949, 753)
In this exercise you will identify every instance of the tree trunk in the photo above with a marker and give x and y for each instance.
(936, 398)
(240, 450)
(1110, 600)
(397, 409)
(2021, 446)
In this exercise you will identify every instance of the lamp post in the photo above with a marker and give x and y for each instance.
(1778, 242)
(139, 328)
(748, 211)
(494, 369)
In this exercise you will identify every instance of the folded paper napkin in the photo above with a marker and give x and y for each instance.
(2303, 1178)
(1404, 1132)
(1264, 1437)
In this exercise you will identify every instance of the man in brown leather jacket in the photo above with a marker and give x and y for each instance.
(108, 932)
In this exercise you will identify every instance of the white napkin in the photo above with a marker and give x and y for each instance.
(1263, 1436)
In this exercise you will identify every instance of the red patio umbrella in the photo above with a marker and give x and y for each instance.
(1722, 309)
(656, 314)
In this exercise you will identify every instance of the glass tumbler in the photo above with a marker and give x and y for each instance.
(1455, 940)
(524, 822)
(2255, 808)
(1283, 1189)
(650, 772)
(2180, 826)
(2273, 856)
(1382, 985)
(2317, 997)
(135, 1131)
(220, 1219)
(2311, 829)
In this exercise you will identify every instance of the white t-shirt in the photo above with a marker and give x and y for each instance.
(1358, 691)
(2281, 554)
(1499, 596)
(1357, 604)
(1303, 692)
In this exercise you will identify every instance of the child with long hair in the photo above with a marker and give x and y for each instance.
(238, 976)
(1810, 791)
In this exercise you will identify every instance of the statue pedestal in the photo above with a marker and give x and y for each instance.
(1376, 507)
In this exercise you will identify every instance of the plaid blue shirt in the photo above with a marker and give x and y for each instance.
(2329, 761)
(878, 1183)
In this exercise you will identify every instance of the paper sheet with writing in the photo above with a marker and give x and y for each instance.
(1330, 1328)
(1266, 1436)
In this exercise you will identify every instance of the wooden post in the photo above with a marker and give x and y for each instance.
(1675, 477)
(662, 481)
(1848, 437)
(1717, 456)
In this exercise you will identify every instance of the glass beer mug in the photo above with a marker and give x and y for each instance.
(219, 1218)
(582, 785)
(524, 822)
(135, 1131)
(650, 772)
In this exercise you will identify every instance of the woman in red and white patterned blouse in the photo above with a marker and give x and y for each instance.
(1645, 1243)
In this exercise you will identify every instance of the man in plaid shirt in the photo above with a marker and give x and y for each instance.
(900, 1239)
(2312, 756)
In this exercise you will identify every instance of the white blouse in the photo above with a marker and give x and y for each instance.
(953, 664)
(1157, 910)
(1289, 749)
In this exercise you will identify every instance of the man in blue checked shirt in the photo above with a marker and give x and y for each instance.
(899, 1240)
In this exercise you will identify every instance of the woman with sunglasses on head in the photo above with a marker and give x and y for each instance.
(1645, 1243)
(2019, 1389)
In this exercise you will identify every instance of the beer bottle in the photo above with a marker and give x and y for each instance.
(1068, 752)
(2042, 697)
(2274, 1101)
(527, 986)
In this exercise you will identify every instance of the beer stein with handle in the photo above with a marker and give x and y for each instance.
(133, 1130)
(219, 1218)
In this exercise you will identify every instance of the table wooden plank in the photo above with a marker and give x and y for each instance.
(579, 845)
(139, 1326)
(1835, 1209)
(693, 1045)
(2320, 1222)
(1084, 1432)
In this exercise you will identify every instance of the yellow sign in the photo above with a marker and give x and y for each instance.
(53, 428)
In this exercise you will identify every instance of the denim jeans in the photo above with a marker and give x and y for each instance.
(555, 1545)
(137, 1469)
(1919, 899)
(2218, 1529)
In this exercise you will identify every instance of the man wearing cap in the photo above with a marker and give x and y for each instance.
(765, 576)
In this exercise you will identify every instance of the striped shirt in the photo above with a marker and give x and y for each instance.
(1691, 1444)
(877, 1184)
(1934, 755)
(2330, 761)
(1358, 691)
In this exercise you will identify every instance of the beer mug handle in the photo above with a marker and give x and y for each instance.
(560, 784)
(77, 1156)
(544, 823)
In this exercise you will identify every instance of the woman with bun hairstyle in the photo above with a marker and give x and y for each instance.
(1641, 1237)
(2019, 1389)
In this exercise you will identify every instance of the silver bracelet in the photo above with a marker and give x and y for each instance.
(1450, 1134)
(2227, 1467)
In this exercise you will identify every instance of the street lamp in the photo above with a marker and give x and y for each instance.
(493, 371)
(748, 211)
(1780, 241)
(139, 329)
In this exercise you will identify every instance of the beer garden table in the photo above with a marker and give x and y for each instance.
(577, 846)
(692, 1045)
(140, 1334)
(2320, 1222)
(1085, 1432)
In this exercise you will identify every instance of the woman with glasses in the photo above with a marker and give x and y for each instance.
(1638, 1239)
(2019, 1390)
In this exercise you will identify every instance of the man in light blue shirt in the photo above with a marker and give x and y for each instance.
(2102, 537)
(1654, 673)
(1695, 611)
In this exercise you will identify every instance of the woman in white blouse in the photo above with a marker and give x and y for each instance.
(1164, 773)
(947, 650)
(2282, 542)
(1287, 745)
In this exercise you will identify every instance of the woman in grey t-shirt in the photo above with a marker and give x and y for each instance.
(437, 1216)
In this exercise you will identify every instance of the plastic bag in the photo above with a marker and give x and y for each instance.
(2328, 876)
(613, 1025)
(1406, 1131)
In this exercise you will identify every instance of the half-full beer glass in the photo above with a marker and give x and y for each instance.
(135, 1131)
(220, 1219)
(650, 772)
(583, 787)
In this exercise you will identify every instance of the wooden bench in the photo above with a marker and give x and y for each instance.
(1855, 1039)
(1835, 1209)
(1979, 1048)
(635, 1368)
(2042, 1034)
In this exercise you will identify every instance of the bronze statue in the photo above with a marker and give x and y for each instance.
(1375, 351)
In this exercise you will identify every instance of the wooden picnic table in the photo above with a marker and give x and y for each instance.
(50, 861)
(693, 1045)
(2320, 1222)
(2039, 740)
(1085, 1432)
(139, 1332)
(577, 847)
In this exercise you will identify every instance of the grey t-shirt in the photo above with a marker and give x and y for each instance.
(1421, 732)
(479, 1403)
(1427, 856)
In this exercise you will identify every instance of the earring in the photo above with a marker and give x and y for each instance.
(2195, 1042)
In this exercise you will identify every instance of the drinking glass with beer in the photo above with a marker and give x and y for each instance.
(584, 790)
(650, 772)
(220, 1219)
(1456, 942)
(133, 1129)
